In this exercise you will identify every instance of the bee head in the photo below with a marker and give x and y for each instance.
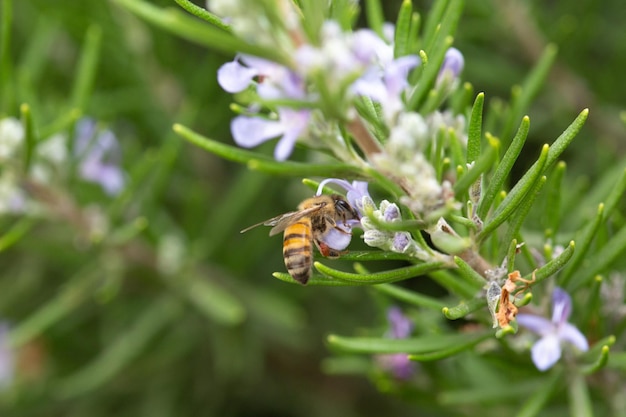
(344, 210)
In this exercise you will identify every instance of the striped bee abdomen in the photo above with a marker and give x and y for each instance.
(297, 250)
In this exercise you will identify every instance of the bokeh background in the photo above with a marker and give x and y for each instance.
(173, 312)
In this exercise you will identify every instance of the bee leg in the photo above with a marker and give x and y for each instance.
(327, 251)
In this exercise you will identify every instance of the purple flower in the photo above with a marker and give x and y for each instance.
(356, 192)
(387, 87)
(547, 350)
(99, 156)
(274, 80)
(249, 132)
(452, 65)
(399, 364)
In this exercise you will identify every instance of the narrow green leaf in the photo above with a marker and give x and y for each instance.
(517, 218)
(374, 16)
(433, 20)
(436, 51)
(87, 67)
(580, 404)
(16, 232)
(450, 351)
(616, 195)
(600, 363)
(563, 141)
(530, 88)
(488, 393)
(122, 350)
(378, 255)
(600, 261)
(317, 280)
(415, 345)
(552, 266)
(393, 275)
(403, 28)
(409, 297)
(510, 256)
(467, 272)
(504, 168)
(30, 140)
(215, 302)
(464, 308)
(75, 292)
(6, 77)
(452, 283)
(203, 14)
(539, 399)
(193, 30)
(413, 37)
(553, 199)
(474, 132)
(583, 243)
(262, 163)
(512, 200)
(481, 165)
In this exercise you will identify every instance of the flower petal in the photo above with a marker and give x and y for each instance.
(561, 306)
(546, 352)
(569, 333)
(249, 132)
(234, 77)
(535, 324)
(337, 239)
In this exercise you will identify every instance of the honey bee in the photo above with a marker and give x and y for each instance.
(316, 219)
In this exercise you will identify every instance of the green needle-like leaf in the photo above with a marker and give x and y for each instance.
(537, 401)
(123, 349)
(601, 260)
(373, 345)
(30, 140)
(472, 277)
(374, 15)
(464, 308)
(450, 351)
(262, 163)
(530, 87)
(580, 404)
(87, 66)
(193, 30)
(551, 267)
(512, 200)
(381, 277)
(203, 14)
(403, 28)
(504, 168)
(600, 363)
(481, 165)
(409, 297)
(16, 232)
(474, 133)
(75, 292)
(583, 243)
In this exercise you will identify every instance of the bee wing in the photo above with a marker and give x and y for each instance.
(281, 222)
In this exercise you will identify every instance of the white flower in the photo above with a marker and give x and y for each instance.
(11, 137)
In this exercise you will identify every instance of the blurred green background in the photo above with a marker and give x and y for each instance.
(174, 313)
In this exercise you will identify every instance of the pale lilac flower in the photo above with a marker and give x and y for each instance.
(399, 364)
(249, 131)
(452, 66)
(7, 358)
(547, 350)
(388, 85)
(99, 157)
(274, 80)
(356, 193)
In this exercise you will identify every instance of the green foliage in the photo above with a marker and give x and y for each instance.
(148, 301)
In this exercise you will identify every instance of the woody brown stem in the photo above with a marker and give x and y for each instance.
(363, 137)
